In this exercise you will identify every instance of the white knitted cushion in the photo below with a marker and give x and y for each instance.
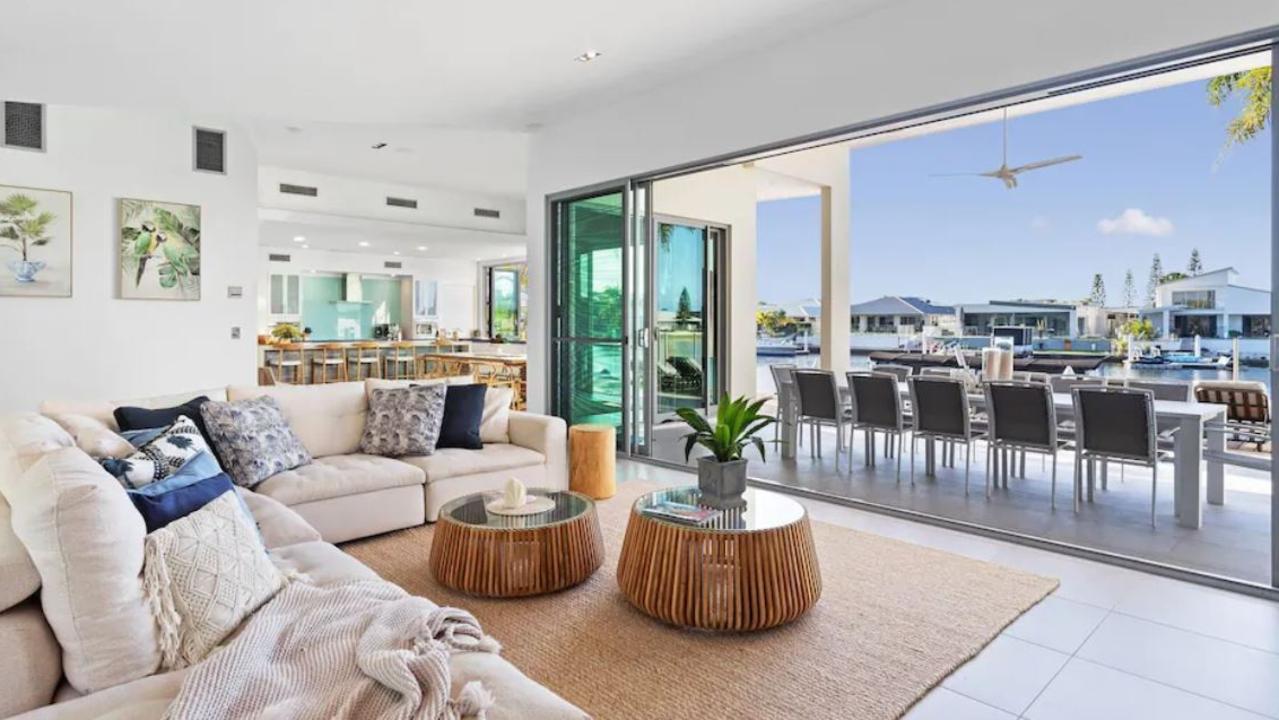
(494, 426)
(204, 574)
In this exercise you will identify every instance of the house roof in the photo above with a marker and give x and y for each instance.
(900, 305)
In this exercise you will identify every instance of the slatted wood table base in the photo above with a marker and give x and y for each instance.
(512, 562)
(699, 578)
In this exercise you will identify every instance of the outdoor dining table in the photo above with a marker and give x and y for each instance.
(1189, 418)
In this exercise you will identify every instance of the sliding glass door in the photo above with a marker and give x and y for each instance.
(684, 317)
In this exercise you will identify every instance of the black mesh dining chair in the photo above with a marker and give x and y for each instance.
(1116, 424)
(820, 405)
(787, 397)
(940, 412)
(1064, 383)
(900, 371)
(1163, 390)
(875, 405)
(1021, 418)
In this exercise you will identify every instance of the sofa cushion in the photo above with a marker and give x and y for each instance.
(278, 524)
(253, 439)
(495, 427)
(321, 563)
(25, 438)
(132, 417)
(404, 421)
(451, 462)
(337, 476)
(105, 410)
(205, 573)
(94, 436)
(30, 666)
(18, 577)
(86, 539)
(160, 509)
(328, 418)
(372, 384)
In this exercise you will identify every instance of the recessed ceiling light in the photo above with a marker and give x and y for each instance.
(299, 238)
(379, 146)
(397, 252)
(364, 243)
(588, 56)
(421, 247)
(305, 247)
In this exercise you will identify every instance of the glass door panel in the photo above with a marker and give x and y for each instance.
(504, 303)
(679, 321)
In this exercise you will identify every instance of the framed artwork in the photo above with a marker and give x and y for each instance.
(159, 250)
(35, 242)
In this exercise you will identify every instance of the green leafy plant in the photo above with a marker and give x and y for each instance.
(1254, 87)
(287, 332)
(737, 424)
(22, 226)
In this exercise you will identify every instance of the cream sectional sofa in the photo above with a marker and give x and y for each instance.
(346, 494)
(31, 671)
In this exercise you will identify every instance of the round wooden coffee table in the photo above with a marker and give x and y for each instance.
(749, 569)
(483, 553)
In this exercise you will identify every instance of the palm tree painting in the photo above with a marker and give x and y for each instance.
(35, 242)
(159, 250)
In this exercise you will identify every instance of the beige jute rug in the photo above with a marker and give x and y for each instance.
(894, 619)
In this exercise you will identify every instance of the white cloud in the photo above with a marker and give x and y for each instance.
(1039, 222)
(1134, 221)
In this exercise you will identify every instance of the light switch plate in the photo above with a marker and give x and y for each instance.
(235, 291)
(235, 333)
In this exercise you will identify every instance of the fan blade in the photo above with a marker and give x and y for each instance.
(967, 174)
(1045, 163)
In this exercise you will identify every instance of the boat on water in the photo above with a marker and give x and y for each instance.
(1177, 360)
(778, 347)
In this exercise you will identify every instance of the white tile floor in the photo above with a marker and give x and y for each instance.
(1108, 643)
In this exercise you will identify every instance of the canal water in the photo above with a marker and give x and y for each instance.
(764, 377)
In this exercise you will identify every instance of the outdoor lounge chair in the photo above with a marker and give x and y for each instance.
(1247, 407)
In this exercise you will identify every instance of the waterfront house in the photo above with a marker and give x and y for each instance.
(1210, 305)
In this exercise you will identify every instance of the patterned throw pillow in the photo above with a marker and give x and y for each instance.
(253, 439)
(203, 575)
(160, 456)
(404, 421)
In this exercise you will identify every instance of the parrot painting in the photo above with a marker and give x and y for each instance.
(145, 245)
(160, 250)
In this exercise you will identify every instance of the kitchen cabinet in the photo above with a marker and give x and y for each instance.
(286, 296)
(426, 299)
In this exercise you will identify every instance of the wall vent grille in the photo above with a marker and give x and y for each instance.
(23, 125)
(279, 257)
(393, 264)
(487, 213)
(402, 202)
(210, 150)
(306, 190)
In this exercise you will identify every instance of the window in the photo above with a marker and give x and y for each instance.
(1196, 299)
(508, 301)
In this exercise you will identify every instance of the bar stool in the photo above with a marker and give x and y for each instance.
(403, 356)
(285, 369)
(432, 365)
(332, 355)
(367, 360)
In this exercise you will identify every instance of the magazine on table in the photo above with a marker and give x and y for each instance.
(682, 513)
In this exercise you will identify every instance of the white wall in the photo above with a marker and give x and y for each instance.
(457, 297)
(94, 346)
(906, 56)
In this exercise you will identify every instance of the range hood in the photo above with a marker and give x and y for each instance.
(352, 289)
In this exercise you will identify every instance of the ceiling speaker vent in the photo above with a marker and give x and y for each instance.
(279, 257)
(209, 150)
(487, 213)
(306, 190)
(401, 202)
(392, 264)
(23, 125)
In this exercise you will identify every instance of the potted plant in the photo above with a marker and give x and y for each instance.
(721, 476)
(23, 227)
(287, 332)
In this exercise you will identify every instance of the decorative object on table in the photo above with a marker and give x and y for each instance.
(287, 332)
(752, 570)
(483, 553)
(722, 476)
(404, 421)
(516, 502)
(682, 512)
(35, 230)
(592, 464)
(253, 439)
(159, 250)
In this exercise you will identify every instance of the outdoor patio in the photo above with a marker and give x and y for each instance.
(1234, 540)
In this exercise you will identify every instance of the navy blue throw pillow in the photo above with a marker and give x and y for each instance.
(158, 510)
(463, 412)
(137, 418)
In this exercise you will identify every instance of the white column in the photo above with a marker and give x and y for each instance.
(835, 291)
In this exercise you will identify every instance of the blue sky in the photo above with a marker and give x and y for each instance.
(965, 239)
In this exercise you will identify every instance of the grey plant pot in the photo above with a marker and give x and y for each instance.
(722, 483)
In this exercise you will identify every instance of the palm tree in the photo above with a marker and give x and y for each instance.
(21, 226)
(1254, 86)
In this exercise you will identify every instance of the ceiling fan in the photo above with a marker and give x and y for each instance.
(1009, 174)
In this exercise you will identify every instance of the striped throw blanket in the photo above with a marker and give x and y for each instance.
(359, 650)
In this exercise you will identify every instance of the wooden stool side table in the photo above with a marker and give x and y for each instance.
(592, 465)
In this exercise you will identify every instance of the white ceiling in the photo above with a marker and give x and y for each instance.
(279, 228)
(502, 64)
